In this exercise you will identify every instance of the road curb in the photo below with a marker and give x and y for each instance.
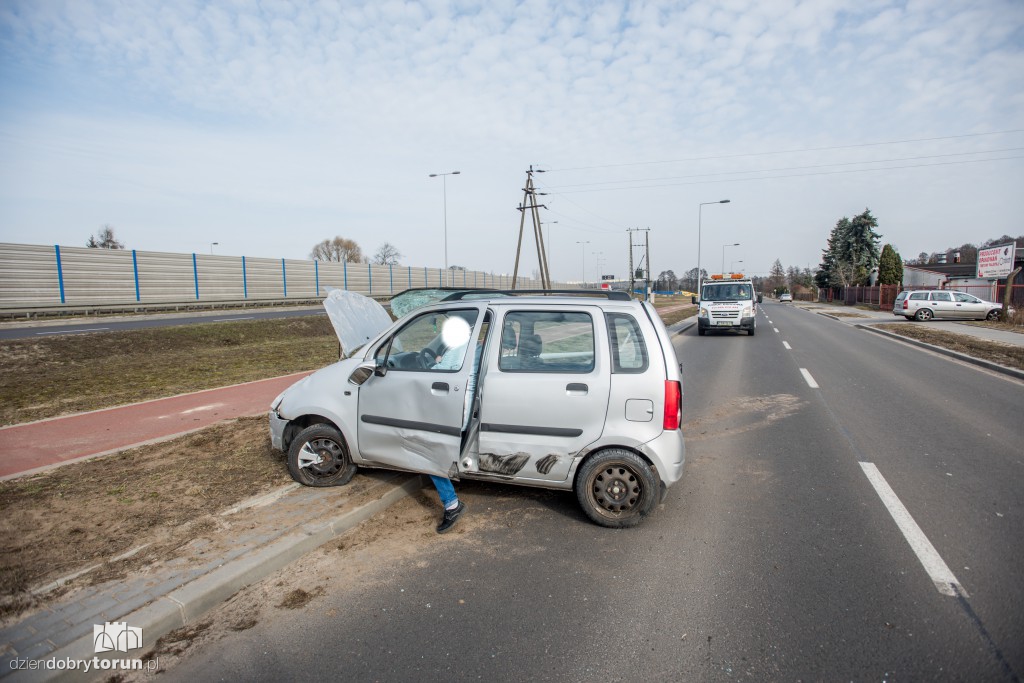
(187, 604)
(988, 365)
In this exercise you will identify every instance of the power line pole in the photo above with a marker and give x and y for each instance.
(530, 204)
(646, 260)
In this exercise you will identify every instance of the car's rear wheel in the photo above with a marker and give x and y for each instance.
(993, 314)
(617, 488)
(319, 456)
(923, 314)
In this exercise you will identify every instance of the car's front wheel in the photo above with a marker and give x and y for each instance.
(617, 488)
(923, 314)
(319, 456)
(993, 314)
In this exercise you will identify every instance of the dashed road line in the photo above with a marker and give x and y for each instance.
(788, 347)
(810, 380)
(941, 576)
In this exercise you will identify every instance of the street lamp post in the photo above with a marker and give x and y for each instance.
(732, 266)
(583, 256)
(547, 247)
(699, 209)
(597, 265)
(212, 245)
(444, 195)
(723, 254)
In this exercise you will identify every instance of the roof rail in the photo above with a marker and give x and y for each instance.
(611, 295)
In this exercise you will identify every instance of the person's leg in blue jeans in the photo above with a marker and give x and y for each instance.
(453, 507)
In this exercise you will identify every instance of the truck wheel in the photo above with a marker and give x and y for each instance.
(319, 456)
(616, 488)
(751, 331)
(701, 331)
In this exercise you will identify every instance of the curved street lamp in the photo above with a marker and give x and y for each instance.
(723, 254)
(699, 208)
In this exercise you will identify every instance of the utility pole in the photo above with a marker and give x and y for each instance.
(645, 261)
(530, 204)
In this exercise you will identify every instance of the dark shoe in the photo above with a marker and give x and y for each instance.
(450, 517)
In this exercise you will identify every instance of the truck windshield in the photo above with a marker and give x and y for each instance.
(727, 292)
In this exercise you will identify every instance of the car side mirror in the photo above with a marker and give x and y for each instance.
(363, 373)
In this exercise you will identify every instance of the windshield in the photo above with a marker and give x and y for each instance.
(732, 291)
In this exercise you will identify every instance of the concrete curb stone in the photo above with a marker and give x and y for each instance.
(187, 604)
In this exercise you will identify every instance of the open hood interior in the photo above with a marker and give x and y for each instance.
(356, 318)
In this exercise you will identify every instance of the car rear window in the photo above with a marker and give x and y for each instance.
(629, 353)
(919, 296)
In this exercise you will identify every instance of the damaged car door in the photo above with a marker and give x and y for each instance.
(411, 409)
(544, 394)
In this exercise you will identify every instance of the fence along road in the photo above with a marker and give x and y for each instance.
(38, 278)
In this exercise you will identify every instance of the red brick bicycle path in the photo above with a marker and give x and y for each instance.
(36, 446)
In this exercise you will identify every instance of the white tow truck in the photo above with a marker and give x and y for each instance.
(727, 302)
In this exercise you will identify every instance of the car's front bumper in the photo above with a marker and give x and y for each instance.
(726, 324)
(277, 427)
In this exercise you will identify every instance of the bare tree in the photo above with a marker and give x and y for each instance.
(104, 239)
(387, 255)
(338, 249)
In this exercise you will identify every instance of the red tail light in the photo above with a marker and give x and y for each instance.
(673, 405)
(906, 303)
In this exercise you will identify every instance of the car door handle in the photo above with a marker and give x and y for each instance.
(439, 388)
(576, 389)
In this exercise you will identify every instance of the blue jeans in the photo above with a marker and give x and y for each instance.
(445, 490)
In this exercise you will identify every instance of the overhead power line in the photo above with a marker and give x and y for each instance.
(788, 151)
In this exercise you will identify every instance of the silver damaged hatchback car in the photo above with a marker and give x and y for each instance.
(551, 390)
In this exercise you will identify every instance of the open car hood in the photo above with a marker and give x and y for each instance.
(356, 318)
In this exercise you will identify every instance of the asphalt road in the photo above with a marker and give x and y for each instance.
(776, 557)
(101, 324)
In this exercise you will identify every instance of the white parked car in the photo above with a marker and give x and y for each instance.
(944, 304)
(563, 392)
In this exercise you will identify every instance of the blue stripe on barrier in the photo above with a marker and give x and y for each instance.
(135, 267)
(195, 274)
(284, 278)
(60, 273)
(245, 281)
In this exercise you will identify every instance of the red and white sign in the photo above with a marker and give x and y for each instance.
(996, 262)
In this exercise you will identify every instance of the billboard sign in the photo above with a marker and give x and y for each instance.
(996, 262)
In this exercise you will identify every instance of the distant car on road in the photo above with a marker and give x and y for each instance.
(944, 304)
(785, 298)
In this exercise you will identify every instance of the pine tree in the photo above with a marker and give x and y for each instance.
(890, 266)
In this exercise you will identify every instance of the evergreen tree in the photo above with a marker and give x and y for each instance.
(890, 266)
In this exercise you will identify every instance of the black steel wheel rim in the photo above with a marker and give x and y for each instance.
(616, 489)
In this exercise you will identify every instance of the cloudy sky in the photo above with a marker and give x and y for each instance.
(269, 126)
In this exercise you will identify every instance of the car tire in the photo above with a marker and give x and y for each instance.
(751, 331)
(923, 315)
(701, 331)
(993, 315)
(616, 488)
(318, 456)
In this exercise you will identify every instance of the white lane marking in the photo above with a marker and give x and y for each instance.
(940, 574)
(786, 344)
(197, 409)
(227, 320)
(90, 329)
(810, 380)
(776, 330)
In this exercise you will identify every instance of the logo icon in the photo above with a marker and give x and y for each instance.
(117, 636)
